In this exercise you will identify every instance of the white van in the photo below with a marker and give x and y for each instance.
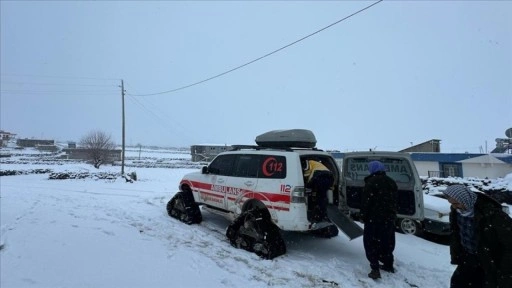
(399, 166)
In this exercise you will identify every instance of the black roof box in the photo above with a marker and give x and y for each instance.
(299, 138)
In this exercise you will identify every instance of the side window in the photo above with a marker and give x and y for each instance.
(247, 166)
(222, 165)
(272, 167)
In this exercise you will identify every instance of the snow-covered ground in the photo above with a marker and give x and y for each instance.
(105, 233)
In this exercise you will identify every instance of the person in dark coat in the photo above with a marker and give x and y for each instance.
(481, 245)
(378, 212)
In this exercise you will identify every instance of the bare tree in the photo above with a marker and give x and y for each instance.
(99, 147)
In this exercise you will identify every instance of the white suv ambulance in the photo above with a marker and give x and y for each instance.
(261, 189)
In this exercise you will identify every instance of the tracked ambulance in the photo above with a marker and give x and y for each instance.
(261, 189)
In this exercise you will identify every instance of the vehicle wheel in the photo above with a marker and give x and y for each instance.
(183, 208)
(254, 231)
(409, 226)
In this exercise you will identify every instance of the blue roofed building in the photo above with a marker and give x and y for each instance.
(430, 162)
(462, 164)
(456, 164)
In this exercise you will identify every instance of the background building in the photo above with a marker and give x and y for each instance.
(33, 142)
(84, 154)
(456, 164)
(433, 145)
(206, 152)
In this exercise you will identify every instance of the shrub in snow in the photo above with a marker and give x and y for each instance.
(24, 172)
(496, 188)
(83, 175)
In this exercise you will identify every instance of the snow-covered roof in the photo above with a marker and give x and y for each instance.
(486, 159)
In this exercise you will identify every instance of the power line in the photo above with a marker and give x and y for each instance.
(55, 84)
(259, 58)
(163, 121)
(136, 101)
(42, 92)
(16, 84)
(62, 77)
(156, 108)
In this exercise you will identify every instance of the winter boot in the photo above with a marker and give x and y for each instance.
(387, 268)
(374, 274)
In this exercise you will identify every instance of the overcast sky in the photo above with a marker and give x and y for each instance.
(396, 74)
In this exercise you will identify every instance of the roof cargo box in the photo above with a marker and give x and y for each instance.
(299, 138)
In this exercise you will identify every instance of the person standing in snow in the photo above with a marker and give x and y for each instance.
(378, 212)
(481, 243)
(319, 179)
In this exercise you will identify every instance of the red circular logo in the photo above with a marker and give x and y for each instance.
(269, 166)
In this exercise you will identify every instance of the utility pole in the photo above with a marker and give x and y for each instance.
(122, 153)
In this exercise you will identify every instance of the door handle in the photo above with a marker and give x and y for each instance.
(248, 183)
(220, 181)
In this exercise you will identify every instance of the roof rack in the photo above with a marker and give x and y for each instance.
(286, 140)
(298, 138)
(256, 147)
(240, 147)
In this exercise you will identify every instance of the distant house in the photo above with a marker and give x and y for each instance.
(83, 154)
(206, 152)
(6, 136)
(457, 164)
(47, 148)
(463, 164)
(33, 142)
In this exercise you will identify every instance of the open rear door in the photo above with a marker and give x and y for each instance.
(345, 224)
(399, 166)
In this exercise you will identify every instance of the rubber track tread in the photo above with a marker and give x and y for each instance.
(268, 239)
(192, 213)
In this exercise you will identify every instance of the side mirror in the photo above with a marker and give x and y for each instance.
(204, 170)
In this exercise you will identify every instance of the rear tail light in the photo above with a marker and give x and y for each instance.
(298, 195)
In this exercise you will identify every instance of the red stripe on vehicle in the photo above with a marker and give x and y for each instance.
(260, 195)
(269, 206)
(267, 196)
(189, 183)
(212, 194)
(201, 185)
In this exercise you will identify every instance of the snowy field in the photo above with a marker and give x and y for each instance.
(111, 233)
